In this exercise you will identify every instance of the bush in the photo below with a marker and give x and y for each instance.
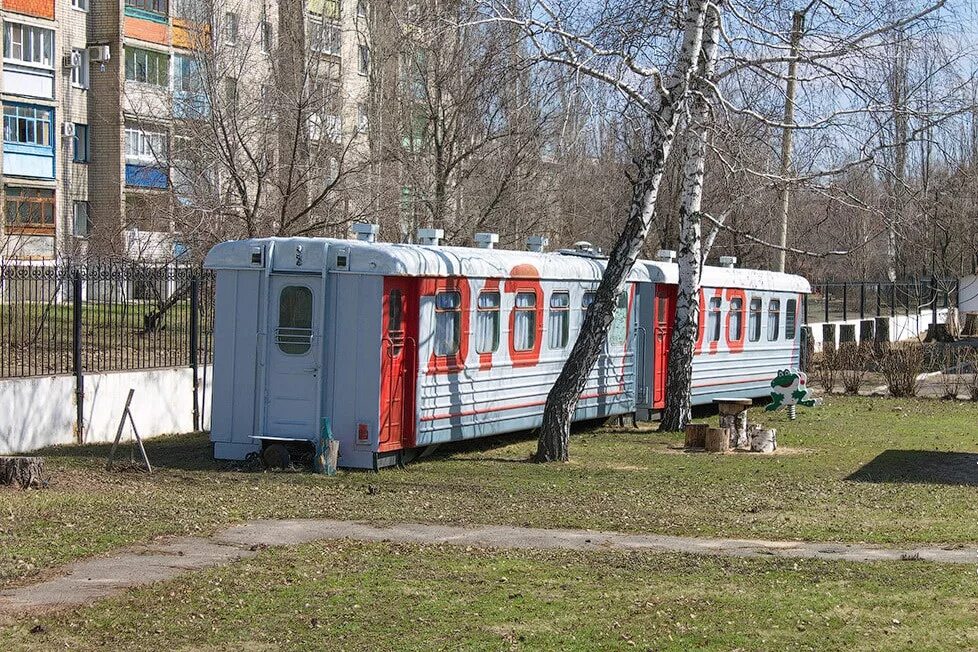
(900, 367)
(852, 360)
(825, 368)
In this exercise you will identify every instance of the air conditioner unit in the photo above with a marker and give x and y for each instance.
(99, 53)
(68, 129)
(73, 59)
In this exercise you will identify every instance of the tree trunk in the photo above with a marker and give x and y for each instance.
(562, 400)
(22, 472)
(677, 412)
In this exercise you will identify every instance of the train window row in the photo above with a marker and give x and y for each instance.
(735, 323)
(448, 321)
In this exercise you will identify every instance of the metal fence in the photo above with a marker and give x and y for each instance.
(74, 319)
(845, 300)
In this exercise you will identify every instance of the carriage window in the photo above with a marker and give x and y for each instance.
(448, 322)
(587, 300)
(487, 323)
(790, 317)
(713, 319)
(773, 319)
(619, 326)
(754, 327)
(525, 321)
(294, 332)
(394, 311)
(559, 325)
(735, 327)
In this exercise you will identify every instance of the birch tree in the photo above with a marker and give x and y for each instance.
(659, 97)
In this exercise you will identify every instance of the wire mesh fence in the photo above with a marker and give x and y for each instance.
(846, 300)
(63, 318)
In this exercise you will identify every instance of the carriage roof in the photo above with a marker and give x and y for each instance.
(392, 259)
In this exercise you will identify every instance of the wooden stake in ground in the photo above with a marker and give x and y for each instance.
(127, 413)
(22, 472)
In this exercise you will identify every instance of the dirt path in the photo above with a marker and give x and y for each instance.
(86, 581)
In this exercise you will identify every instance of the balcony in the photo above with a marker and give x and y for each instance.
(141, 175)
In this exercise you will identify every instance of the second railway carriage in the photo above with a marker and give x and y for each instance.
(405, 346)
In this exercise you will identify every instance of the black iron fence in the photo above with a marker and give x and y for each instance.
(846, 300)
(74, 319)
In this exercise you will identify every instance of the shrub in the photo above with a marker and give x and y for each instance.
(900, 367)
(852, 362)
(825, 369)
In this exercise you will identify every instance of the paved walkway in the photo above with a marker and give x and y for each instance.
(85, 581)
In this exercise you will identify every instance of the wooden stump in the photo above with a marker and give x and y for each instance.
(696, 435)
(22, 472)
(717, 440)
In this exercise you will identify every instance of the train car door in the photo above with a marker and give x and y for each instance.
(663, 319)
(293, 363)
(398, 366)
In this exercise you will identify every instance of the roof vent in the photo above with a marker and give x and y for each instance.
(728, 261)
(537, 243)
(665, 256)
(585, 247)
(486, 240)
(430, 237)
(365, 232)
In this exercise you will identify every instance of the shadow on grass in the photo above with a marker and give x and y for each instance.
(920, 467)
(189, 452)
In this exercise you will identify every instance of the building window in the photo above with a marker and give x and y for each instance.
(713, 320)
(790, 319)
(29, 211)
(145, 146)
(326, 8)
(294, 332)
(324, 38)
(231, 92)
(363, 59)
(80, 224)
(147, 67)
(79, 72)
(773, 319)
(559, 326)
(80, 148)
(363, 118)
(735, 327)
(619, 325)
(448, 323)
(27, 125)
(27, 44)
(266, 36)
(230, 28)
(81, 5)
(487, 323)
(156, 6)
(754, 326)
(525, 321)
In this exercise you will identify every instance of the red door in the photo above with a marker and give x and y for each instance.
(663, 321)
(398, 355)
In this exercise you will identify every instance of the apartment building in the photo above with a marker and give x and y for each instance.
(105, 100)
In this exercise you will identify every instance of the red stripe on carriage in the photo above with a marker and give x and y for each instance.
(511, 406)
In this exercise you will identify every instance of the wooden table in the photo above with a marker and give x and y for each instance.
(733, 418)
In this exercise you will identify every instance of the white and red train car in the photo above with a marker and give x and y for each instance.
(405, 346)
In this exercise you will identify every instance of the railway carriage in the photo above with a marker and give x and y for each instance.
(405, 346)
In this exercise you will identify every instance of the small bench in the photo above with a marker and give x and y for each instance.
(733, 418)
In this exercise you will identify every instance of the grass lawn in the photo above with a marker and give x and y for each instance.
(858, 469)
(351, 596)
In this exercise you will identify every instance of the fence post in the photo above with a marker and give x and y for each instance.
(893, 296)
(933, 300)
(194, 342)
(862, 299)
(879, 300)
(845, 301)
(826, 296)
(76, 353)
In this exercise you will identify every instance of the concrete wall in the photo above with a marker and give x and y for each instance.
(902, 327)
(39, 412)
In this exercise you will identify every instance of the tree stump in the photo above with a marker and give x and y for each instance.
(717, 440)
(696, 435)
(22, 472)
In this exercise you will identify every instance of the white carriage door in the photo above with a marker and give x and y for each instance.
(292, 368)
